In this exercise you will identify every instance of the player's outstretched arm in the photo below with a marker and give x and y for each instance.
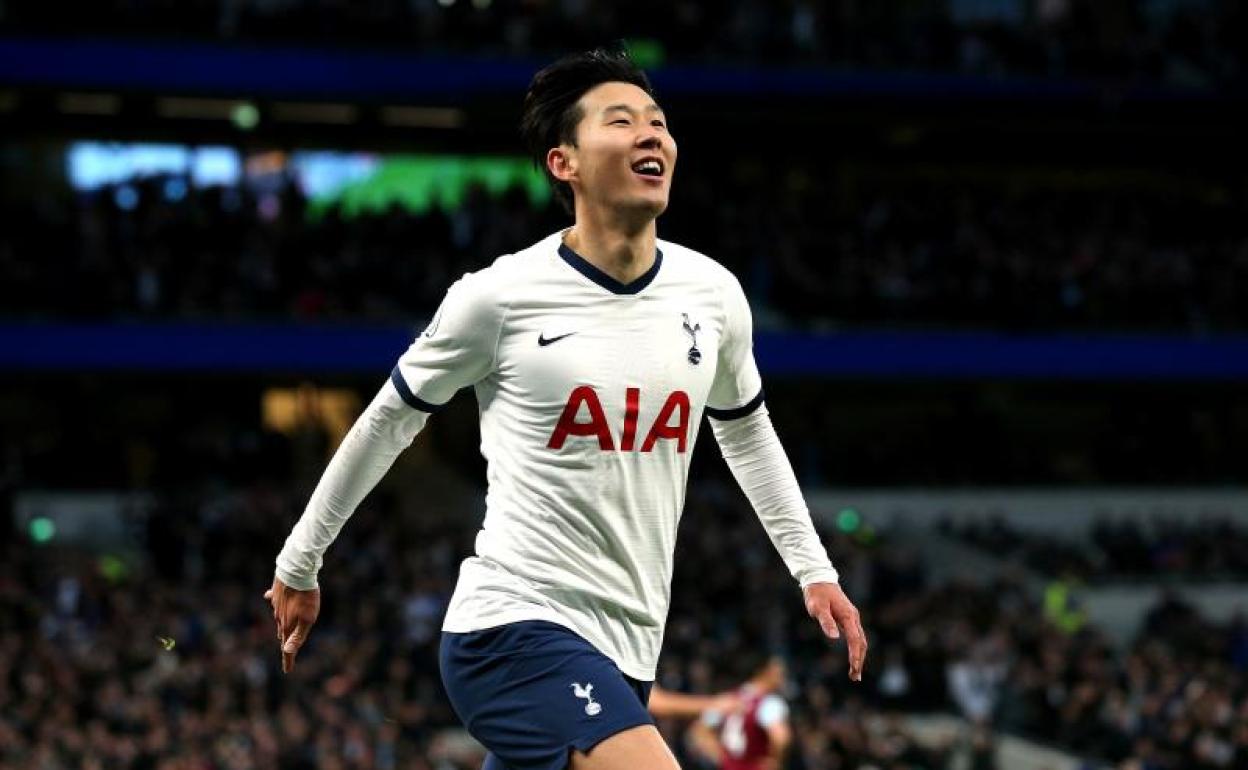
(456, 350)
(758, 462)
(678, 705)
(748, 441)
(385, 428)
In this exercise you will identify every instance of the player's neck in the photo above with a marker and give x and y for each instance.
(621, 251)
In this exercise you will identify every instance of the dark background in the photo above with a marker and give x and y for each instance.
(994, 245)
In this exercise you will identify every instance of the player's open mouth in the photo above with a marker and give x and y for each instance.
(652, 167)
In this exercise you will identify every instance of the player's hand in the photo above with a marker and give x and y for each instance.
(828, 604)
(294, 611)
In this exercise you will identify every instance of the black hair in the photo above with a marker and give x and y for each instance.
(551, 109)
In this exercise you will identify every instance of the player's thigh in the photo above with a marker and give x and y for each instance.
(636, 747)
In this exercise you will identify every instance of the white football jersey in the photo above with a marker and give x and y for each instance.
(590, 395)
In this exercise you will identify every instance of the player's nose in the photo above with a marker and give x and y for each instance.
(650, 141)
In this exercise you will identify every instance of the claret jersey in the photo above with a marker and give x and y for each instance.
(743, 732)
(590, 395)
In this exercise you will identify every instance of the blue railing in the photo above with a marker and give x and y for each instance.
(273, 71)
(263, 348)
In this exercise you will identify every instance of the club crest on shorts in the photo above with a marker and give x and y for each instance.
(695, 355)
(592, 707)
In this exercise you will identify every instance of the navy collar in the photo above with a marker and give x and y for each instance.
(605, 281)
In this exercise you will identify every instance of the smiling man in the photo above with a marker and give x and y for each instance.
(594, 354)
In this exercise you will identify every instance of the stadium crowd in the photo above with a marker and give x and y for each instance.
(169, 661)
(1192, 43)
(1210, 549)
(164, 657)
(921, 254)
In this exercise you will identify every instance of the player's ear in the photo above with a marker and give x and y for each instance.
(561, 162)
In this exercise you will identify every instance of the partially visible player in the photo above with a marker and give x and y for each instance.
(755, 734)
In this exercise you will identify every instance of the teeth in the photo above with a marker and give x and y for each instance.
(650, 165)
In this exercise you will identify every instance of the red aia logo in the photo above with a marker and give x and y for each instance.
(596, 425)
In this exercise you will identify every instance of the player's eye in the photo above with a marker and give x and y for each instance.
(620, 122)
(657, 123)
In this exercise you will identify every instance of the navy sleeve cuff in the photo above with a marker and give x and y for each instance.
(737, 413)
(410, 398)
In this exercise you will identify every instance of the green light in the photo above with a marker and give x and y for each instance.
(848, 520)
(42, 529)
(645, 53)
(418, 183)
(112, 568)
(245, 116)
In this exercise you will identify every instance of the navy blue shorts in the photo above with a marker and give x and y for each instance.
(531, 692)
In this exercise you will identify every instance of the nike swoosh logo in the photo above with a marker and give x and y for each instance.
(543, 340)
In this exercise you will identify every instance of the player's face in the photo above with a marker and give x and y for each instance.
(625, 156)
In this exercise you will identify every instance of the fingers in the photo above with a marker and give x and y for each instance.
(289, 651)
(828, 624)
(290, 647)
(294, 613)
(856, 641)
(838, 616)
(281, 622)
(284, 625)
(295, 640)
(277, 616)
(819, 608)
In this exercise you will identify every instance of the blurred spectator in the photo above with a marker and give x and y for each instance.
(85, 677)
(1181, 43)
(918, 253)
(86, 680)
(1208, 549)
